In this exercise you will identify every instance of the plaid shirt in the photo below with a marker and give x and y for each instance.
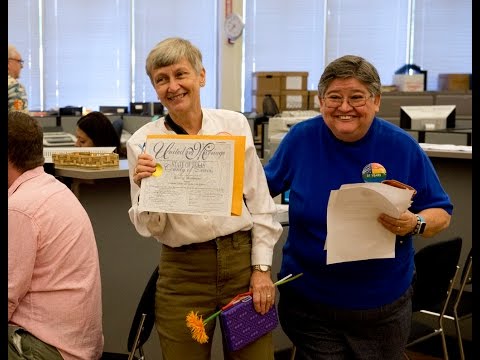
(17, 96)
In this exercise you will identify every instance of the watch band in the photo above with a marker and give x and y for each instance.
(422, 225)
(262, 268)
(419, 226)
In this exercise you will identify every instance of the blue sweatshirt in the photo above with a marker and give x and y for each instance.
(311, 161)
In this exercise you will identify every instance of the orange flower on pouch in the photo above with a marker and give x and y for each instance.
(197, 326)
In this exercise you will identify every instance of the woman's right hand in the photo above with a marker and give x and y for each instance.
(145, 167)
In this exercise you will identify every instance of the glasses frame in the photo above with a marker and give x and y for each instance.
(326, 99)
(20, 61)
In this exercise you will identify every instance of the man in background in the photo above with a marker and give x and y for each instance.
(54, 287)
(17, 96)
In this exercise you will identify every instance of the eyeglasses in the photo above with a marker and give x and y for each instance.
(334, 101)
(18, 60)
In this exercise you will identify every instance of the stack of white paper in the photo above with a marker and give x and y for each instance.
(353, 230)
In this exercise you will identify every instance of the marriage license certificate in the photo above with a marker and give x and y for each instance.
(195, 174)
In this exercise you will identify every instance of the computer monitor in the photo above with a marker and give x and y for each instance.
(158, 108)
(433, 117)
(113, 110)
(146, 108)
(139, 108)
(71, 110)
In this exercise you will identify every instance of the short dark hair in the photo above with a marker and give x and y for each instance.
(351, 66)
(99, 128)
(25, 141)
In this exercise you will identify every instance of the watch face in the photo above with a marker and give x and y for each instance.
(233, 26)
(422, 227)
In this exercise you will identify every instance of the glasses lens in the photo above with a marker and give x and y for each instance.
(333, 101)
(355, 101)
(18, 60)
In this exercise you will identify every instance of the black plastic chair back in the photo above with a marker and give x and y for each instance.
(145, 306)
(435, 267)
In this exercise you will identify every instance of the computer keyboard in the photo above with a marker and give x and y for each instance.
(58, 139)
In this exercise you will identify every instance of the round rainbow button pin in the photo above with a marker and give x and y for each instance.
(374, 172)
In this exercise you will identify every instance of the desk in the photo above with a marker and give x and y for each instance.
(455, 174)
(90, 174)
(447, 151)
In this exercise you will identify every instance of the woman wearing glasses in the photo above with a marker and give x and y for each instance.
(17, 96)
(353, 309)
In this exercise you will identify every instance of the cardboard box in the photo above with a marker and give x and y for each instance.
(294, 100)
(257, 101)
(313, 102)
(292, 80)
(267, 82)
(273, 82)
(450, 82)
(414, 82)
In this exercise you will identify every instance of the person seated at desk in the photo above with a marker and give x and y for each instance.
(54, 284)
(17, 95)
(96, 129)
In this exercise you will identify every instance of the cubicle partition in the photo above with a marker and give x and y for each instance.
(132, 123)
(49, 121)
(391, 103)
(460, 134)
(69, 123)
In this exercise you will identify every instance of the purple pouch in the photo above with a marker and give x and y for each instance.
(241, 324)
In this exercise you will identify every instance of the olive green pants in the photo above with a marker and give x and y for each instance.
(24, 346)
(203, 278)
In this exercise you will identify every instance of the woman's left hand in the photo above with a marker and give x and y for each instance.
(263, 291)
(402, 226)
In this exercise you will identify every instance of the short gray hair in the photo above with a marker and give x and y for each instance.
(170, 51)
(12, 51)
(350, 66)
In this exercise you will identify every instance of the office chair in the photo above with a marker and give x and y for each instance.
(436, 269)
(462, 305)
(142, 324)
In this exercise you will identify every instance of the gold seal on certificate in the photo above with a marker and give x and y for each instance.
(158, 170)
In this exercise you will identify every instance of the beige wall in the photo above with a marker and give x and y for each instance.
(229, 87)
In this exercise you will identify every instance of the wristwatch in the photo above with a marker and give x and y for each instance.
(262, 268)
(420, 226)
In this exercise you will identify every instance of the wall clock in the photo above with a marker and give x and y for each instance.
(233, 26)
